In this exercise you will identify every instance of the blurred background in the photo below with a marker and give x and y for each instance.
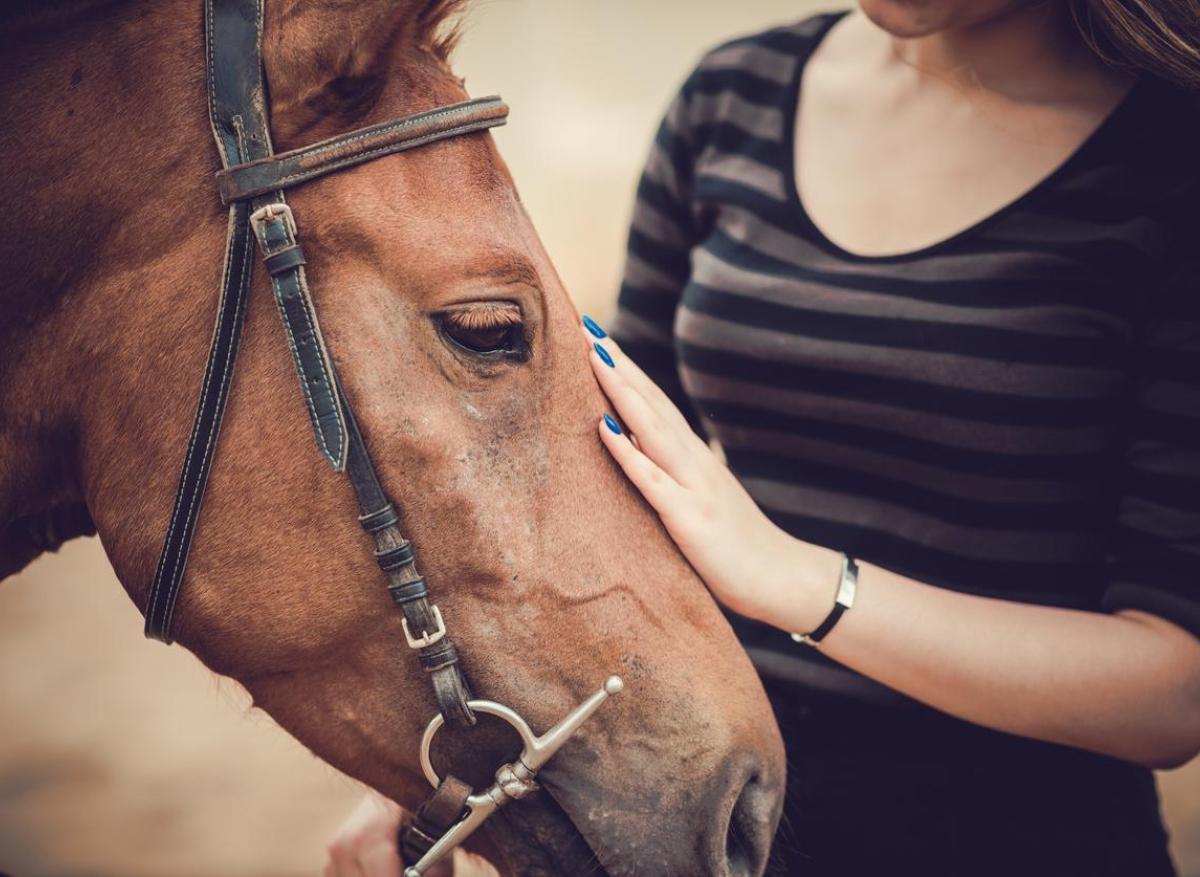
(121, 757)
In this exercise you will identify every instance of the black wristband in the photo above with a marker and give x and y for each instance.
(847, 588)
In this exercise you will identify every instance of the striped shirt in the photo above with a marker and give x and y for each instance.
(1012, 412)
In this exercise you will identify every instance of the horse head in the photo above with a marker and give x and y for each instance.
(461, 354)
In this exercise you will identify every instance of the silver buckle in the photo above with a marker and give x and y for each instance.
(426, 638)
(268, 213)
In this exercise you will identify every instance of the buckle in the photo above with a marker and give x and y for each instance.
(270, 212)
(426, 638)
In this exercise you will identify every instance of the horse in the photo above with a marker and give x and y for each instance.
(460, 350)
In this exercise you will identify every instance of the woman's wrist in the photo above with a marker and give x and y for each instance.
(799, 592)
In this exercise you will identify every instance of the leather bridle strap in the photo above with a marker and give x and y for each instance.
(252, 183)
(433, 818)
(424, 628)
(296, 166)
(234, 148)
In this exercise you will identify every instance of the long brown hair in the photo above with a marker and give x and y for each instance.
(1161, 37)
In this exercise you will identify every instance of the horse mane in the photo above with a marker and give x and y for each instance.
(440, 26)
(26, 538)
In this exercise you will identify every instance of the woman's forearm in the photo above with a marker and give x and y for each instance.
(1126, 685)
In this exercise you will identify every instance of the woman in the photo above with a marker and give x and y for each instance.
(928, 274)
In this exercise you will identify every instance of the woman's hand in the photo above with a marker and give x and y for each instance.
(749, 563)
(365, 846)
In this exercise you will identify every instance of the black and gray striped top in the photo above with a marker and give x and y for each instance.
(1013, 412)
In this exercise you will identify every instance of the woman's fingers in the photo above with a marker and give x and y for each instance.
(365, 845)
(656, 428)
(470, 865)
(657, 437)
(381, 858)
(344, 859)
(657, 399)
(659, 488)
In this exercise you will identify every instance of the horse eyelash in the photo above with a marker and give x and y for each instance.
(489, 316)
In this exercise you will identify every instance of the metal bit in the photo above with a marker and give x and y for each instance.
(514, 780)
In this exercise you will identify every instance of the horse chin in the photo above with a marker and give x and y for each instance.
(539, 839)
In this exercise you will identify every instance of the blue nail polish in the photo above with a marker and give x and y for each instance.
(612, 424)
(593, 327)
(604, 355)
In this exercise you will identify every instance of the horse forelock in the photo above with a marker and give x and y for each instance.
(441, 26)
(329, 63)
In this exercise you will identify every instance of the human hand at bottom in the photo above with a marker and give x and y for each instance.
(365, 846)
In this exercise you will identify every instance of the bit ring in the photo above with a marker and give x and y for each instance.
(488, 707)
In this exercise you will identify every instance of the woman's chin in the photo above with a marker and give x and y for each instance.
(912, 19)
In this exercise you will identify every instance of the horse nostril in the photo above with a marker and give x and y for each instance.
(737, 857)
(751, 824)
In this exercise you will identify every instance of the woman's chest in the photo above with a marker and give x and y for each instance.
(892, 160)
(901, 181)
(1016, 341)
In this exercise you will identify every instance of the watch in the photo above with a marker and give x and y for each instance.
(847, 588)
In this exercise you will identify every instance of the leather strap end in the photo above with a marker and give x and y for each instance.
(444, 807)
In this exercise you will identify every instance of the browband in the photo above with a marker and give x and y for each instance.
(276, 172)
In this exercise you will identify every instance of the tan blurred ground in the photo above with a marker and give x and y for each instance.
(122, 758)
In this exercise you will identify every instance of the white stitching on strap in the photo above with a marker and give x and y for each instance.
(360, 157)
(338, 144)
(468, 108)
(400, 124)
(175, 577)
(313, 328)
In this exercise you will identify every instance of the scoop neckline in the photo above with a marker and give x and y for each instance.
(796, 202)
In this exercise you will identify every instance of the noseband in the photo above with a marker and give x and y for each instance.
(251, 184)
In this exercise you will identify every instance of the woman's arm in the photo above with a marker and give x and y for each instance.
(1125, 684)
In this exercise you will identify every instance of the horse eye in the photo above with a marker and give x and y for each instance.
(491, 329)
(482, 339)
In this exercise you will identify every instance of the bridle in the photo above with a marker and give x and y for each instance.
(252, 183)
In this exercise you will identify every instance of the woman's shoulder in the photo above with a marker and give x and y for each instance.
(758, 69)
(1152, 171)
(1156, 127)
(777, 43)
(1158, 141)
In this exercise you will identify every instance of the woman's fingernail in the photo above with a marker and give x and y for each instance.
(593, 327)
(612, 424)
(604, 354)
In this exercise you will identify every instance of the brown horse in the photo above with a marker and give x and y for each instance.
(550, 569)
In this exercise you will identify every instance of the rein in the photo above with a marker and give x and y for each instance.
(252, 184)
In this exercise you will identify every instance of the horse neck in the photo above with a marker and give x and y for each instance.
(105, 148)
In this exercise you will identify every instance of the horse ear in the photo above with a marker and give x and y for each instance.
(332, 59)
